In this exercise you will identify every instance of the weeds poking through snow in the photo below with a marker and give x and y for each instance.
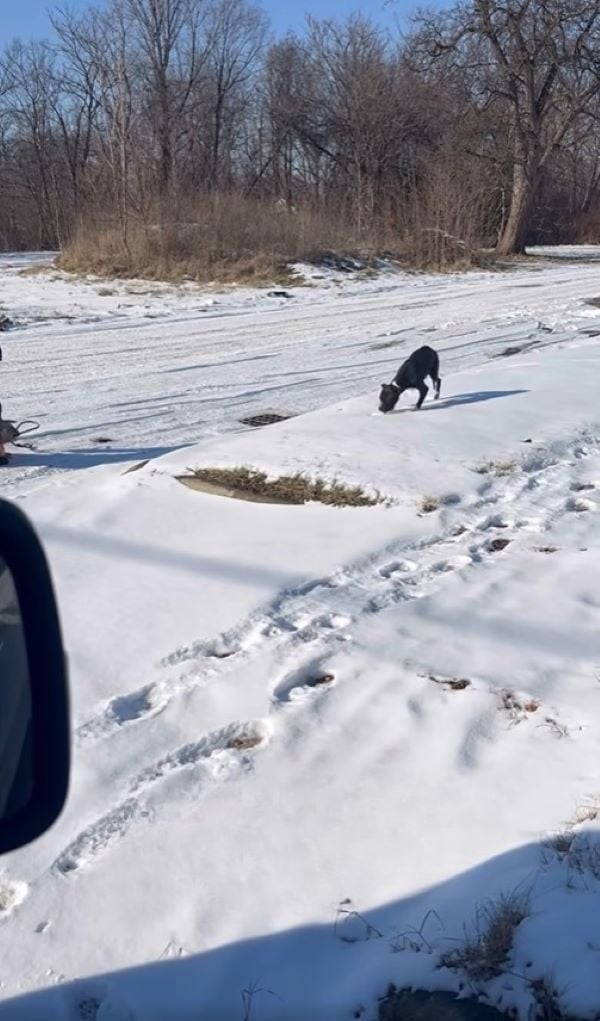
(497, 468)
(429, 504)
(484, 953)
(547, 1001)
(254, 989)
(584, 855)
(414, 939)
(352, 927)
(250, 484)
(517, 709)
(562, 842)
(560, 730)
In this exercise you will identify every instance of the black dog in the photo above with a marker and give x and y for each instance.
(410, 376)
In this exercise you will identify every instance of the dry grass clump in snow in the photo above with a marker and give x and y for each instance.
(484, 953)
(547, 1000)
(429, 504)
(497, 468)
(250, 484)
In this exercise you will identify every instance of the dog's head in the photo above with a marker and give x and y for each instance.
(388, 397)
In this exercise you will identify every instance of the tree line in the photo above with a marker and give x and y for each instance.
(187, 124)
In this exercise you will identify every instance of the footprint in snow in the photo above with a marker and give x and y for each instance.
(496, 521)
(397, 567)
(457, 563)
(12, 893)
(222, 647)
(314, 676)
(579, 505)
(233, 740)
(235, 737)
(123, 709)
(309, 628)
(582, 487)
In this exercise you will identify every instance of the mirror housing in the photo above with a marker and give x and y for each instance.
(49, 744)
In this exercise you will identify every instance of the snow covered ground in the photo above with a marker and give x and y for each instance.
(241, 840)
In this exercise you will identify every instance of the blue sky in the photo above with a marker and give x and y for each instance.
(28, 18)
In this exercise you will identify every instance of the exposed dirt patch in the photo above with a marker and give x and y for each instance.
(497, 545)
(451, 683)
(245, 743)
(408, 1005)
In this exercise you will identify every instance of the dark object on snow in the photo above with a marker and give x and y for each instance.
(279, 294)
(268, 419)
(316, 682)
(497, 545)
(5, 323)
(102, 439)
(405, 1005)
(411, 376)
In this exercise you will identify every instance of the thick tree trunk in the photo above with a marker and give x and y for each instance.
(525, 180)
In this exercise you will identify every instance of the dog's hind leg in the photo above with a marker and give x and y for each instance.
(423, 391)
(438, 386)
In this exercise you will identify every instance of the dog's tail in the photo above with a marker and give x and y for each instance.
(435, 373)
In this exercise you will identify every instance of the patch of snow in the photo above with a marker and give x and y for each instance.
(310, 743)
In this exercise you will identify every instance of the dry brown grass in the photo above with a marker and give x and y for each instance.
(429, 504)
(498, 468)
(232, 238)
(484, 953)
(250, 484)
(226, 239)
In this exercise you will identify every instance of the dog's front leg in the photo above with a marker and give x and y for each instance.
(423, 391)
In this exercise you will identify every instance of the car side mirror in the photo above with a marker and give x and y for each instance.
(34, 717)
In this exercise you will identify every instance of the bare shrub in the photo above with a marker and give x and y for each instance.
(484, 953)
(447, 215)
(547, 1000)
(584, 855)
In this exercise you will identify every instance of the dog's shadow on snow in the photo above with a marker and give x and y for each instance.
(456, 400)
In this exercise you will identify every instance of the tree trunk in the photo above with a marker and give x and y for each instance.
(525, 180)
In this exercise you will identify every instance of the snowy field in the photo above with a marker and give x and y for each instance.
(242, 841)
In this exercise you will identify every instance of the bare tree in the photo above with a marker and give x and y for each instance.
(168, 34)
(540, 60)
(236, 41)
